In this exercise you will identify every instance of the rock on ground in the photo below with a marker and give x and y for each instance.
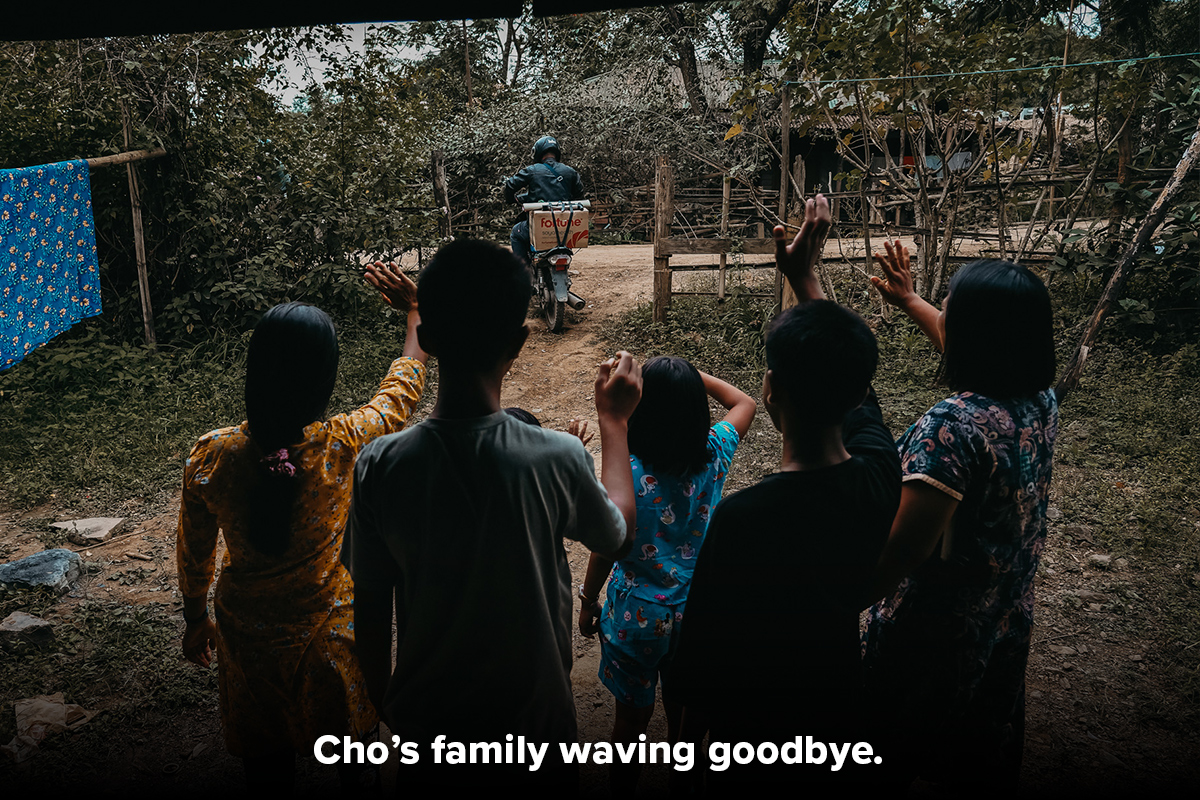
(19, 628)
(57, 569)
(92, 530)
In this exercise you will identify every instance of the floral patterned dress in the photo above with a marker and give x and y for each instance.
(285, 624)
(945, 656)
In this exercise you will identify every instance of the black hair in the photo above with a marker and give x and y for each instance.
(999, 331)
(823, 356)
(473, 297)
(522, 415)
(291, 367)
(669, 428)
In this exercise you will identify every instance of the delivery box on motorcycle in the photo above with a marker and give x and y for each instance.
(565, 227)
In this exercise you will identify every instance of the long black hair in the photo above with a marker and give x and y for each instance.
(669, 428)
(290, 371)
(999, 331)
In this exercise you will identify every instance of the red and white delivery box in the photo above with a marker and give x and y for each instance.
(571, 224)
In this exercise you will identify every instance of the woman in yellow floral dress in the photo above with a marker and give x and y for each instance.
(278, 487)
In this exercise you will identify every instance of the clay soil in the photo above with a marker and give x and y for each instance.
(1097, 687)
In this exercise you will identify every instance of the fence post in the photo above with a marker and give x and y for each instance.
(726, 185)
(664, 211)
(785, 174)
(139, 236)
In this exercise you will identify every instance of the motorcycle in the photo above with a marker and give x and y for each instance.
(556, 230)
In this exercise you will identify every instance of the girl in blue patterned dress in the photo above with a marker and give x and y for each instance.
(945, 649)
(679, 467)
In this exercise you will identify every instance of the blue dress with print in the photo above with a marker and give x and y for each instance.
(647, 590)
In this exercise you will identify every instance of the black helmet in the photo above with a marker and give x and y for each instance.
(544, 145)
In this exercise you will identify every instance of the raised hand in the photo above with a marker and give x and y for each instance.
(577, 427)
(618, 387)
(397, 289)
(896, 285)
(796, 260)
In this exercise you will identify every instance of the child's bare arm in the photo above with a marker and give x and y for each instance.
(742, 407)
(618, 390)
(589, 593)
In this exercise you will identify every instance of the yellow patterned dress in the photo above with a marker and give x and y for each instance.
(285, 624)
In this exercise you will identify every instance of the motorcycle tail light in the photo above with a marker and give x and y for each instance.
(561, 262)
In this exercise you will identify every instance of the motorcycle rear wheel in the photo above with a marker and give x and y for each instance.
(553, 309)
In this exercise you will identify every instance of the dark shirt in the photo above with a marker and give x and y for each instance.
(769, 642)
(545, 182)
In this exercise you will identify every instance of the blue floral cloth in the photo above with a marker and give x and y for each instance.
(49, 276)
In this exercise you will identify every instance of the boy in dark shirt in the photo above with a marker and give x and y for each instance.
(769, 645)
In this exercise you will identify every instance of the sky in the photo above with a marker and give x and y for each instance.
(295, 71)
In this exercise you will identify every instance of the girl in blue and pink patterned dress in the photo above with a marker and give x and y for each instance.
(945, 649)
(679, 468)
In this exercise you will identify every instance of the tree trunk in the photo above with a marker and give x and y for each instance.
(757, 23)
(467, 59)
(509, 35)
(685, 52)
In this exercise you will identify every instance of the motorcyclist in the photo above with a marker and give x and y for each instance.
(545, 180)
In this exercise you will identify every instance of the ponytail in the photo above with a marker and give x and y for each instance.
(290, 371)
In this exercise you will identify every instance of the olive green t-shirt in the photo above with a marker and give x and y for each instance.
(466, 519)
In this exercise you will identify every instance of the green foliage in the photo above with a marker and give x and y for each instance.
(255, 204)
(98, 421)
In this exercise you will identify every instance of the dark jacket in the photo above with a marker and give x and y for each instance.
(547, 181)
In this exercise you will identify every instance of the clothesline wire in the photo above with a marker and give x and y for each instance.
(992, 71)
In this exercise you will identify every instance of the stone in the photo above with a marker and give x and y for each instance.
(1052, 513)
(90, 531)
(1078, 532)
(1099, 560)
(57, 569)
(19, 628)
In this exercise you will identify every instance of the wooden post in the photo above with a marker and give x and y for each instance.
(664, 212)
(139, 238)
(726, 185)
(125, 158)
(441, 194)
(785, 171)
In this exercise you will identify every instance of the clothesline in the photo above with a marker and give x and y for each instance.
(923, 76)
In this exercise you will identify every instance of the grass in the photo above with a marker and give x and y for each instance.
(91, 423)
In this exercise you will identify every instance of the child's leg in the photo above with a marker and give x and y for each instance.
(629, 723)
(634, 638)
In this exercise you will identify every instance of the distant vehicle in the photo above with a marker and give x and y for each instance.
(556, 230)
